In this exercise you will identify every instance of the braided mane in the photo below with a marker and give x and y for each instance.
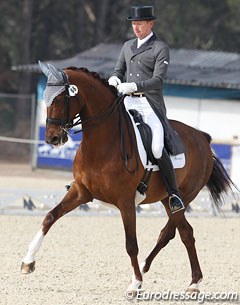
(96, 76)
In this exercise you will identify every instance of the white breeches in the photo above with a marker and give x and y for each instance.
(149, 117)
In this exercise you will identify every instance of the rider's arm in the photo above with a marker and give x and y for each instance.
(160, 69)
(120, 67)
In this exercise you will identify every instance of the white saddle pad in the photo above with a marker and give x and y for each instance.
(178, 161)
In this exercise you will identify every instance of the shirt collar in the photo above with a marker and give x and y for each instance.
(142, 41)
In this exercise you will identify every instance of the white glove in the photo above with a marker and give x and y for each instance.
(127, 88)
(114, 81)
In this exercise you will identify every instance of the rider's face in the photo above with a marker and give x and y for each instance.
(142, 28)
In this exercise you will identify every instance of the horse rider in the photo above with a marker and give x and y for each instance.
(143, 61)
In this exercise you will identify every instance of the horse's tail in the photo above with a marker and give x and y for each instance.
(219, 183)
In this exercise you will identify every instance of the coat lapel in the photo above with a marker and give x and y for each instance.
(147, 45)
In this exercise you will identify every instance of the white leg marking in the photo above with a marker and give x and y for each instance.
(194, 286)
(142, 265)
(34, 247)
(139, 197)
(135, 285)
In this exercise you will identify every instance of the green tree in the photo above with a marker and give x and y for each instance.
(60, 29)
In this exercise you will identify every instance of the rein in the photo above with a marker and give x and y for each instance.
(67, 123)
(133, 145)
(104, 116)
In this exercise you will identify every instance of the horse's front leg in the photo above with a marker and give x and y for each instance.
(128, 214)
(76, 196)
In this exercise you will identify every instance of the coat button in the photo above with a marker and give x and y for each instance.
(139, 62)
(137, 74)
(130, 74)
(131, 60)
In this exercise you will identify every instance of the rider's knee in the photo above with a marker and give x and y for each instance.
(157, 151)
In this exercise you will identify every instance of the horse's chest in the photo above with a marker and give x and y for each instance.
(98, 185)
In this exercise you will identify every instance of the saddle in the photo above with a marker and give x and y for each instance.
(151, 163)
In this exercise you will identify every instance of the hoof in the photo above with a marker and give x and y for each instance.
(133, 289)
(27, 268)
(194, 288)
(130, 294)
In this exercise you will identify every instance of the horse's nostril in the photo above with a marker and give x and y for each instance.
(54, 141)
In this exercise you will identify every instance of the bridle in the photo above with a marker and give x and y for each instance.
(66, 123)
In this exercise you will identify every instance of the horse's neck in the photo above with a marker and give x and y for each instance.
(104, 131)
(97, 97)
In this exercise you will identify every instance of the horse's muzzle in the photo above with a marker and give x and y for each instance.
(57, 140)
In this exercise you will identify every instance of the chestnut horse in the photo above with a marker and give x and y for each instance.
(100, 172)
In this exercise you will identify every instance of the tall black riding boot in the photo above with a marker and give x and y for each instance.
(168, 174)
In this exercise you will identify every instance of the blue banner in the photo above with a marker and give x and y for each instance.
(57, 157)
(223, 152)
(48, 156)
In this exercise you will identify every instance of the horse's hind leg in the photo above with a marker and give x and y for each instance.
(186, 234)
(178, 221)
(76, 196)
(166, 234)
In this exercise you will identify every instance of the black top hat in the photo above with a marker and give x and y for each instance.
(145, 12)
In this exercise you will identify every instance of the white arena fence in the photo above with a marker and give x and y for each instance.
(36, 202)
(20, 140)
(27, 201)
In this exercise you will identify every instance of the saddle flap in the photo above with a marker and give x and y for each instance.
(145, 133)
